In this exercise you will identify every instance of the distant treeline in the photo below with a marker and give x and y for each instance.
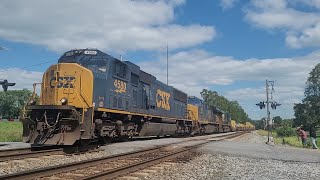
(212, 98)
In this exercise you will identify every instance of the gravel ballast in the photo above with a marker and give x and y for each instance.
(244, 157)
(209, 166)
(107, 150)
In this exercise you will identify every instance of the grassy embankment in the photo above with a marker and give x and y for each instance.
(292, 140)
(10, 131)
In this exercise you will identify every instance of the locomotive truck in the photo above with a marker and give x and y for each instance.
(90, 96)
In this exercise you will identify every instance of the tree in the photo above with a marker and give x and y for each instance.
(12, 102)
(212, 98)
(277, 120)
(307, 113)
(287, 123)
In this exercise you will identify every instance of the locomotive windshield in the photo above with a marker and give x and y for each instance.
(95, 60)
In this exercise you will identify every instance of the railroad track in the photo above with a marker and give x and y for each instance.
(114, 166)
(22, 153)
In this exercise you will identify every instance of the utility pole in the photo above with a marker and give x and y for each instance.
(268, 111)
(167, 64)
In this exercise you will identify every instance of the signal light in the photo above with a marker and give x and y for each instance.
(274, 105)
(262, 105)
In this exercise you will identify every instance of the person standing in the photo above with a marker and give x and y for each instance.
(303, 136)
(313, 136)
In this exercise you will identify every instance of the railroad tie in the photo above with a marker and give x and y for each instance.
(129, 178)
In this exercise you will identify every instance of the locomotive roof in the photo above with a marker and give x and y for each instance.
(99, 58)
(84, 56)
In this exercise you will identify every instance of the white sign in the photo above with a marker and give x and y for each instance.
(90, 52)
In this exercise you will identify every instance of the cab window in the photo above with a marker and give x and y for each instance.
(120, 69)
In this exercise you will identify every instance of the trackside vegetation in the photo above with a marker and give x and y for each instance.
(10, 131)
(307, 113)
(12, 102)
(291, 140)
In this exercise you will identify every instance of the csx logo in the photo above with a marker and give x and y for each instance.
(63, 82)
(162, 99)
(121, 87)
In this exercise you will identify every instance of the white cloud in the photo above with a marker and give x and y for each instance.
(301, 28)
(227, 4)
(111, 25)
(311, 3)
(24, 80)
(191, 71)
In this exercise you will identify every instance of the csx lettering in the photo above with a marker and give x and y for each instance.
(62, 82)
(121, 87)
(162, 99)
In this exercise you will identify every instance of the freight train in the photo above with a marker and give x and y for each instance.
(90, 96)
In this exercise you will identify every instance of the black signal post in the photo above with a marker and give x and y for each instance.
(269, 103)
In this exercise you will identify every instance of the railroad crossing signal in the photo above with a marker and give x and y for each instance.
(262, 105)
(5, 84)
(274, 105)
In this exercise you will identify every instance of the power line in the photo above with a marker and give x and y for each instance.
(37, 64)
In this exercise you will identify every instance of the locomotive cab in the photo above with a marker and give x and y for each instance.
(64, 112)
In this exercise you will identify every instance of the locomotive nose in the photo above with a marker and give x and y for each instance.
(67, 84)
(65, 105)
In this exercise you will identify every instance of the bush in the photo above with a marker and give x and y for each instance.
(285, 131)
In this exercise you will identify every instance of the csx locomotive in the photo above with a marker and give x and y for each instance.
(90, 96)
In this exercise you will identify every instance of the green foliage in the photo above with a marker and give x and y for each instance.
(277, 120)
(259, 124)
(291, 140)
(307, 113)
(10, 131)
(265, 133)
(11, 102)
(287, 123)
(212, 98)
(285, 131)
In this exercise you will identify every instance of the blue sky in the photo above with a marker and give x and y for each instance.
(230, 46)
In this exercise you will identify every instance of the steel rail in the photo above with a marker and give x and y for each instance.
(49, 171)
(21, 153)
(120, 171)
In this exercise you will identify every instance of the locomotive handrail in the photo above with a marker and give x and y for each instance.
(82, 118)
(84, 98)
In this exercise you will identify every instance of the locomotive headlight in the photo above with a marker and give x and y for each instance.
(64, 101)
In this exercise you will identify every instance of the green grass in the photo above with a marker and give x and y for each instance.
(265, 133)
(292, 140)
(10, 131)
